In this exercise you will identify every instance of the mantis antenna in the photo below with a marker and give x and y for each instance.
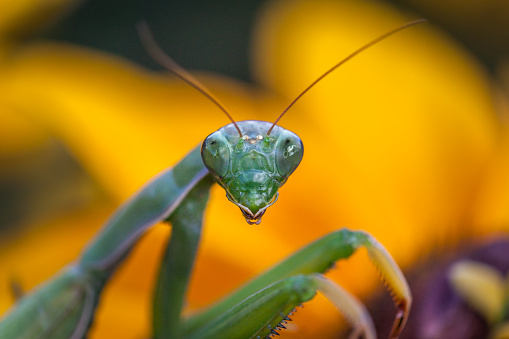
(363, 48)
(168, 63)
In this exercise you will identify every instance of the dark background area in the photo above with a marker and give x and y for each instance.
(205, 35)
(215, 35)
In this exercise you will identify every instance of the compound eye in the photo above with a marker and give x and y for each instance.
(289, 152)
(216, 154)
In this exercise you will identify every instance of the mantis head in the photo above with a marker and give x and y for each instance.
(253, 167)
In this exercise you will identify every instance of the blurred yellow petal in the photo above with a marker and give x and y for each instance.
(396, 140)
(398, 136)
(18, 134)
(24, 16)
(481, 286)
(396, 143)
(491, 212)
(17, 18)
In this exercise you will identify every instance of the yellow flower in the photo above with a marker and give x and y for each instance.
(402, 142)
(397, 141)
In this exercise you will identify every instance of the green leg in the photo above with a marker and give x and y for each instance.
(64, 306)
(265, 312)
(178, 261)
(317, 258)
(154, 202)
(261, 312)
(61, 308)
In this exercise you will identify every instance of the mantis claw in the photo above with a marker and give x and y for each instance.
(353, 310)
(395, 282)
(399, 322)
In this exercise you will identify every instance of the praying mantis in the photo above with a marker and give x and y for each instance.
(251, 160)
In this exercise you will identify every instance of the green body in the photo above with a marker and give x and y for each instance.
(251, 173)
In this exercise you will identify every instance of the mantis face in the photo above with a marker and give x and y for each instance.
(251, 169)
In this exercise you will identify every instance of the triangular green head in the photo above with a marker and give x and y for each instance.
(253, 167)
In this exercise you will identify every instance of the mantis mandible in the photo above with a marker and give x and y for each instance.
(251, 160)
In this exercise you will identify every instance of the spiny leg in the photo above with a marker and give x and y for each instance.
(261, 313)
(317, 258)
(267, 311)
(395, 282)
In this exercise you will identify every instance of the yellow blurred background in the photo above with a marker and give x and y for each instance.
(407, 141)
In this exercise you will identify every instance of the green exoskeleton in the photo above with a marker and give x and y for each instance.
(251, 160)
(253, 167)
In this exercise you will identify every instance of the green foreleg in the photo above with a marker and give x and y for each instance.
(178, 262)
(317, 258)
(260, 314)
(154, 202)
(265, 312)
